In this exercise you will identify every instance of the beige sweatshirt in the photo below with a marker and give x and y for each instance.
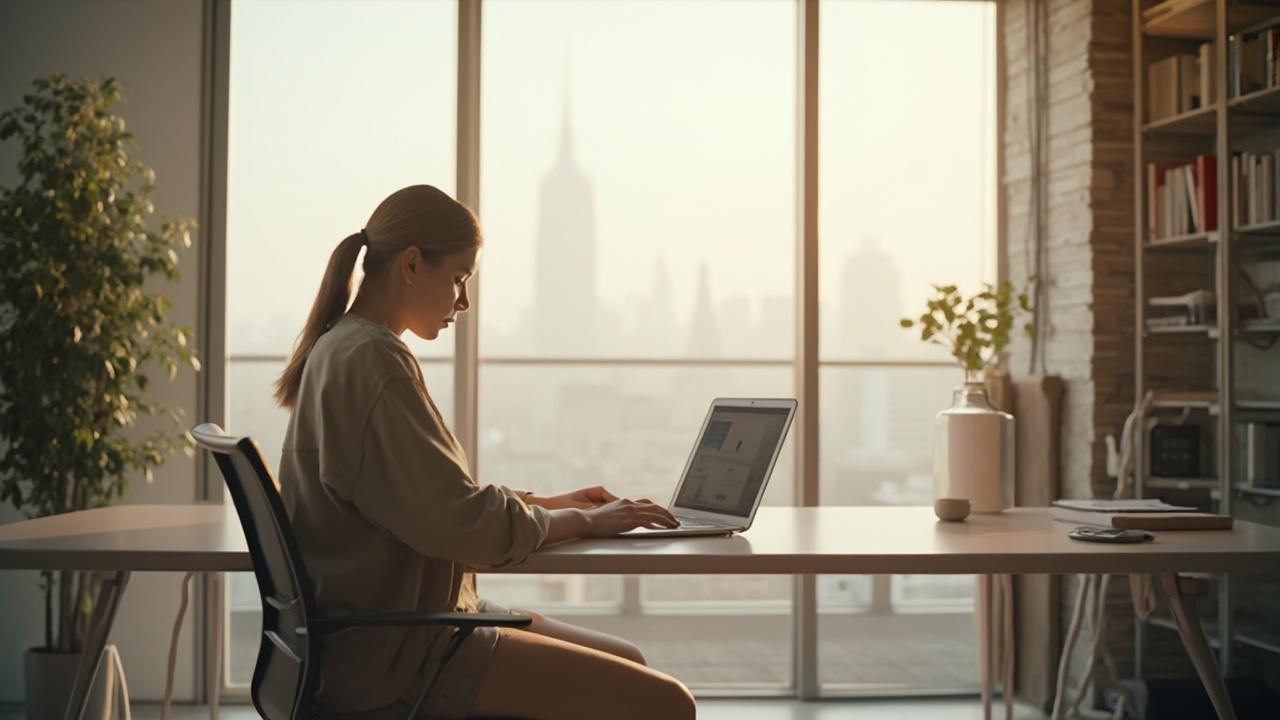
(388, 519)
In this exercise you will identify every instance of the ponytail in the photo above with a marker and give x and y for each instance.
(418, 216)
(330, 303)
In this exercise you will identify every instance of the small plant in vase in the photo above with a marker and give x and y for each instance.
(974, 329)
(973, 448)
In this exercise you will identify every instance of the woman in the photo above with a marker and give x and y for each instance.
(390, 520)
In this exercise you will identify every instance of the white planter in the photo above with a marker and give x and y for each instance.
(973, 452)
(51, 675)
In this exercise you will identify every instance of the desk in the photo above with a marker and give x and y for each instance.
(784, 540)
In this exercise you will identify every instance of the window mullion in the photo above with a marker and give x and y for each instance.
(466, 347)
(805, 635)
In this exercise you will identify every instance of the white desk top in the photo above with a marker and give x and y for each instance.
(784, 540)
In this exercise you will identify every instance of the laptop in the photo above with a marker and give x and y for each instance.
(729, 467)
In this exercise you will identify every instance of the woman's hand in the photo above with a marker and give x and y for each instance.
(585, 498)
(617, 516)
(622, 515)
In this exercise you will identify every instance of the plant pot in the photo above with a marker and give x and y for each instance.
(50, 677)
(973, 452)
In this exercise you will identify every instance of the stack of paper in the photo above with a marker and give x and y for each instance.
(1136, 515)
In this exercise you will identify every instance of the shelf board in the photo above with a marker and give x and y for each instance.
(1193, 19)
(1184, 330)
(1191, 483)
(1173, 400)
(1259, 102)
(1194, 240)
(1210, 629)
(1269, 642)
(1259, 405)
(1271, 229)
(1262, 491)
(1201, 121)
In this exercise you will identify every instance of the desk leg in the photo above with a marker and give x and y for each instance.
(1007, 651)
(104, 615)
(984, 643)
(1180, 591)
(213, 654)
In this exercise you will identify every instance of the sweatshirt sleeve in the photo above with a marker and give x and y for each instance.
(413, 483)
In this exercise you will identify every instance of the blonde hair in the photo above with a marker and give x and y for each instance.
(418, 216)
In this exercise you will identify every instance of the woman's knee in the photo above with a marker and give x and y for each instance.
(676, 700)
(628, 651)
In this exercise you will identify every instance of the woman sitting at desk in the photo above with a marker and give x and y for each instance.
(389, 518)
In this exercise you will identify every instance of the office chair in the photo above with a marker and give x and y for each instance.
(287, 674)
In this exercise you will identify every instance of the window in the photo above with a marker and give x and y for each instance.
(637, 196)
(638, 183)
(907, 198)
(332, 106)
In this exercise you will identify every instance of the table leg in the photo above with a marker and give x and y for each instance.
(1007, 652)
(213, 654)
(104, 615)
(984, 643)
(1180, 591)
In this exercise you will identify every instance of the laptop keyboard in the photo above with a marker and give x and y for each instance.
(686, 523)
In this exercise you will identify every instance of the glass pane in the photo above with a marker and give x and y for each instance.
(333, 106)
(631, 429)
(908, 176)
(638, 180)
(901, 632)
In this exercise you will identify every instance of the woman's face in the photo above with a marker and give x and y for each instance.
(437, 291)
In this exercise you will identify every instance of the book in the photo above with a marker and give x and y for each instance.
(1189, 97)
(1193, 198)
(1206, 62)
(1143, 505)
(1163, 88)
(1143, 520)
(1207, 190)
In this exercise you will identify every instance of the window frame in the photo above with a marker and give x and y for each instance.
(211, 402)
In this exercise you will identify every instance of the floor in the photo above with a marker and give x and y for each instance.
(708, 709)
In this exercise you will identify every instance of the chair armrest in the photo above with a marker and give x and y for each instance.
(323, 625)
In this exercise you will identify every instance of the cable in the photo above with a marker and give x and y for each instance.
(1038, 156)
(1064, 661)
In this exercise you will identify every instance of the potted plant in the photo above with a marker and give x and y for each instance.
(973, 442)
(80, 333)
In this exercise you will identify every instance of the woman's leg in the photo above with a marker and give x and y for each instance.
(604, 642)
(538, 676)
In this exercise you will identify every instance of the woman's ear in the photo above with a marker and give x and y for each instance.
(409, 263)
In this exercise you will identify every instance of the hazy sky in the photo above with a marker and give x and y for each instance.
(684, 122)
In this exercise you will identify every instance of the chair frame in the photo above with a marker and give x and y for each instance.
(314, 626)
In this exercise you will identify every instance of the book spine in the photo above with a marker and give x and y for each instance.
(1207, 175)
(1233, 66)
(1236, 202)
(1151, 201)
(1206, 74)
(1266, 189)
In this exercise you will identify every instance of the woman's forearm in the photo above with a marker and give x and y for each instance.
(567, 523)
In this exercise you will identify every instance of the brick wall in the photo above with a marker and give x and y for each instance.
(1087, 237)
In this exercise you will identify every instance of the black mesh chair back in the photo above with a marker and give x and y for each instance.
(286, 676)
(286, 673)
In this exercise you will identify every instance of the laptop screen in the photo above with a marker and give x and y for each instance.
(731, 460)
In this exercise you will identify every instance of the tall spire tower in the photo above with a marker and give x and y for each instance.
(565, 262)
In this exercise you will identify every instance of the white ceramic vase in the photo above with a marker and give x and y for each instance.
(973, 451)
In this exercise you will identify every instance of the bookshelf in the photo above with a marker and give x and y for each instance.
(1200, 99)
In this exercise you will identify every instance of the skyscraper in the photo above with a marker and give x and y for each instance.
(704, 336)
(565, 250)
